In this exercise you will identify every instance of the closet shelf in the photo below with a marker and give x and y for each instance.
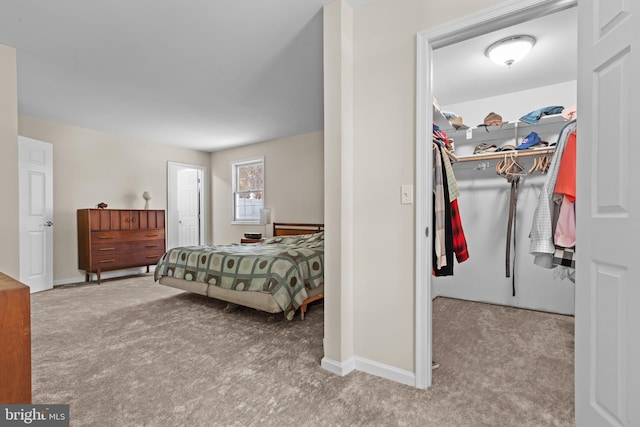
(507, 131)
(443, 123)
(502, 154)
(513, 130)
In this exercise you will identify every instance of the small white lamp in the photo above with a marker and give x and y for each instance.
(510, 50)
(146, 196)
(265, 218)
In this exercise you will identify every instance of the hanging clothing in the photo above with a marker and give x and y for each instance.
(459, 239)
(565, 234)
(511, 229)
(452, 185)
(566, 180)
(542, 228)
(439, 214)
(565, 230)
(449, 238)
(446, 266)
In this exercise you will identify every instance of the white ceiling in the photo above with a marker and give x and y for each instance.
(206, 74)
(214, 74)
(462, 72)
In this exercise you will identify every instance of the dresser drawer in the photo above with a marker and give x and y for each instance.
(113, 260)
(99, 237)
(128, 246)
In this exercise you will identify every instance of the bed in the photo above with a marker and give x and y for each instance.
(282, 273)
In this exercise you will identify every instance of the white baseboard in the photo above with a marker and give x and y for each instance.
(370, 367)
(104, 275)
(338, 368)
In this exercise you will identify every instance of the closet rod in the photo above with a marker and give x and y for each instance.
(502, 154)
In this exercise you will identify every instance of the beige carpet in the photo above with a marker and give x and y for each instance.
(134, 353)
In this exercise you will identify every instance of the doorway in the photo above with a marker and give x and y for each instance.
(186, 205)
(482, 23)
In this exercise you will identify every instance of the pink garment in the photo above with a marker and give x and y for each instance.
(570, 113)
(565, 235)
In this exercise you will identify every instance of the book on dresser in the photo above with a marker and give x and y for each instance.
(116, 239)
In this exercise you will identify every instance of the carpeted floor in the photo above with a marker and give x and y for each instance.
(131, 352)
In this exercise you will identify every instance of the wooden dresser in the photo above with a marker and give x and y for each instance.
(114, 239)
(15, 341)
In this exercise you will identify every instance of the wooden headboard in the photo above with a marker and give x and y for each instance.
(292, 228)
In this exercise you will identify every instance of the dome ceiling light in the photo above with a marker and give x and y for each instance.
(510, 50)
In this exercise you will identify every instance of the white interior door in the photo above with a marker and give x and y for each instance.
(188, 207)
(36, 213)
(186, 210)
(608, 215)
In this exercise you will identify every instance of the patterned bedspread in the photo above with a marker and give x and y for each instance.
(284, 266)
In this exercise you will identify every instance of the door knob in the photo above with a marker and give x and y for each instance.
(48, 223)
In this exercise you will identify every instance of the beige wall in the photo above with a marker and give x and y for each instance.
(90, 167)
(339, 162)
(9, 240)
(293, 183)
(384, 63)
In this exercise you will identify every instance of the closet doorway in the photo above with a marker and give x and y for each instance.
(500, 270)
(500, 90)
(607, 371)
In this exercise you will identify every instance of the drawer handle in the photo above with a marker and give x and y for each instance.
(152, 235)
(107, 249)
(151, 246)
(153, 256)
(107, 260)
(106, 237)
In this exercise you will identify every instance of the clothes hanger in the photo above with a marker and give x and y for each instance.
(544, 162)
(514, 170)
(504, 165)
(500, 164)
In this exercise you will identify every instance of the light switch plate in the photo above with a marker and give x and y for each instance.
(406, 194)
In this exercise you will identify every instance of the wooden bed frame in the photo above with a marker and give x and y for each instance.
(293, 228)
(255, 300)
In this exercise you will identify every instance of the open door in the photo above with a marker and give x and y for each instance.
(186, 205)
(35, 161)
(608, 215)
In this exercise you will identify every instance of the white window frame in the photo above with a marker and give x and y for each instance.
(234, 177)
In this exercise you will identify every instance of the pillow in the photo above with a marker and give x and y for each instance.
(287, 240)
(315, 240)
(296, 239)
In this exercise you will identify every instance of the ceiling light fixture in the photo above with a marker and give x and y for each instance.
(510, 50)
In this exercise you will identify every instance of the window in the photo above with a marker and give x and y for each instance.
(248, 190)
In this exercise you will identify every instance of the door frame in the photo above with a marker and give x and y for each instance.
(485, 21)
(172, 200)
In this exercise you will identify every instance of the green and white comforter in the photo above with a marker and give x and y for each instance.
(284, 266)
